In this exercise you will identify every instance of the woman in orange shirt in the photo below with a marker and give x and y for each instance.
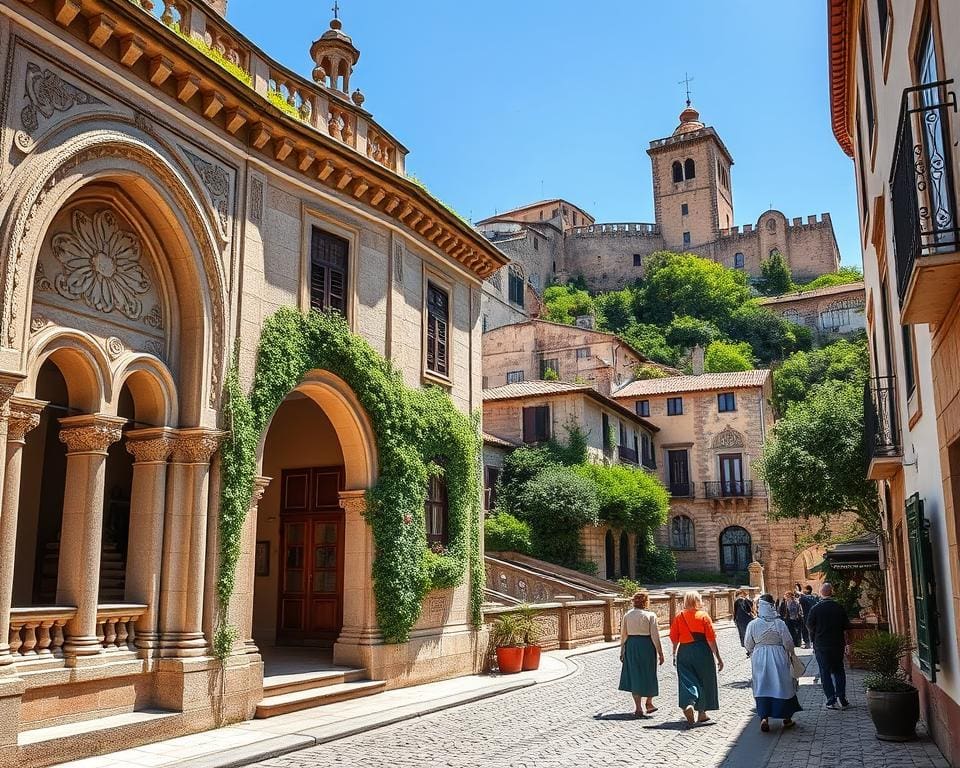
(694, 649)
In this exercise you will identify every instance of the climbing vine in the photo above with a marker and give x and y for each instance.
(418, 432)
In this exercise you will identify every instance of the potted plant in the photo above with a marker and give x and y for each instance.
(893, 702)
(507, 635)
(531, 632)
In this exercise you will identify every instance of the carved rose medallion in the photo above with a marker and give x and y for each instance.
(101, 264)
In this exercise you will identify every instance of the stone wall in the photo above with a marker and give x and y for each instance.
(830, 312)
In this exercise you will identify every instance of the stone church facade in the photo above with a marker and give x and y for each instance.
(164, 188)
(693, 210)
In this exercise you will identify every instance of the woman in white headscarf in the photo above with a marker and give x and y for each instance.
(770, 645)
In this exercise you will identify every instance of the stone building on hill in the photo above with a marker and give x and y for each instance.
(829, 312)
(555, 240)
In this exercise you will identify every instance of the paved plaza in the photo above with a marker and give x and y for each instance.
(583, 721)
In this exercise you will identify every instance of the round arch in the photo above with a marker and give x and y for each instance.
(736, 549)
(350, 421)
(149, 173)
(153, 389)
(82, 362)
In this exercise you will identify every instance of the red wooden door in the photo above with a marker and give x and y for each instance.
(310, 610)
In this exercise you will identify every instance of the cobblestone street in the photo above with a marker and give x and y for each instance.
(583, 721)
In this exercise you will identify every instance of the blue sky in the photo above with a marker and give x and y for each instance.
(504, 102)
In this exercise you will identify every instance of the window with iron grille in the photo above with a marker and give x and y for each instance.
(436, 511)
(643, 407)
(726, 401)
(681, 533)
(516, 288)
(328, 271)
(514, 377)
(438, 322)
(583, 353)
(686, 238)
(536, 424)
(674, 406)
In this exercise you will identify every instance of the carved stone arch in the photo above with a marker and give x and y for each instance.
(728, 437)
(45, 182)
(153, 388)
(82, 362)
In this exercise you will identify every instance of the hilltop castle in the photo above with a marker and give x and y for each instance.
(555, 240)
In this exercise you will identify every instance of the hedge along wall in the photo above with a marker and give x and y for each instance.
(418, 432)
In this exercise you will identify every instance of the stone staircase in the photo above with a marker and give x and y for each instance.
(304, 690)
(112, 573)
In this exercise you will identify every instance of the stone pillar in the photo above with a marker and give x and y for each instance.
(185, 542)
(150, 449)
(756, 575)
(241, 607)
(360, 628)
(24, 416)
(87, 439)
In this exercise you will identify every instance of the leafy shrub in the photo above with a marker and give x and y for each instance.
(628, 587)
(278, 100)
(883, 654)
(550, 375)
(724, 356)
(505, 533)
(558, 503)
(655, 564)
(629, 499)
(643, 372)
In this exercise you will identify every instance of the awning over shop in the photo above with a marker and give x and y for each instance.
(859, 554)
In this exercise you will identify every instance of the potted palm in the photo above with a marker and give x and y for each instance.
(893, 702)
(531, 632)
(507, 638)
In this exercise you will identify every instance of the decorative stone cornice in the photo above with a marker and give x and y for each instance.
(196, 446)
(150, 446)
(354, 502)
(90, 433)
(259, 488)
(24, 416)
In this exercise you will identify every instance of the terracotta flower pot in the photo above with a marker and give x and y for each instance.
(510, 658)
(894, 714)
(531, 657)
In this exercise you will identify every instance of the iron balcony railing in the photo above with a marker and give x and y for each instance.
(922, 189)
(648, 461)
(627, 455)
(719, 489)
(880, 420)
(681, 489)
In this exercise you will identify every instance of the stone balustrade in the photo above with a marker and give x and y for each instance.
(316, 105)
(115, 625)
(617, 228)
(37, 634)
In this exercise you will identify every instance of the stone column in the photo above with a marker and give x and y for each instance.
(185, 542)
(87, 439)
(241, 607)
(24, 416)
(150, 449)
(756, 574)
(360, 628)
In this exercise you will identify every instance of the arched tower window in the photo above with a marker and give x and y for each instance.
(677, 172)
(689, 169)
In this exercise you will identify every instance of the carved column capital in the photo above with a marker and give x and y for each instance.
(90, 433)
(196, 446)
(150, 446)
(8, 385)
(24, 415)
(259, 488)
(354, 501)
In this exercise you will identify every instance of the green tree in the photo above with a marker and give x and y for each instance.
(770, 336)
(519, 467)
(629, 499)
(775, 275)
(655, 564)
(686, 332)
(683, 284)
(725, 356)
(642, 372)
(841, 361)
(614, 310)
(842, 276)
(649, 340)
(564, 303)
(505, 533)
(813, 462)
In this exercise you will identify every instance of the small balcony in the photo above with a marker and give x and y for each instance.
(926, 234)
(627, 455)
(728, 489)
(881, 424)
(681, 489)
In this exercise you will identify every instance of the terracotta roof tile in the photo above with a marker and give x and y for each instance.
(828, 290)
(700, 383)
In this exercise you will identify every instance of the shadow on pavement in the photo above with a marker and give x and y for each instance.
(618, 716)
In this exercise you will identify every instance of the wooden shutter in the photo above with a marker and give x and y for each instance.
(543, 422)
(328, 271)
(924, 587)
(437, 330)
(529, 425)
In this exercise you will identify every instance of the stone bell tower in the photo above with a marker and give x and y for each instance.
(334, 55)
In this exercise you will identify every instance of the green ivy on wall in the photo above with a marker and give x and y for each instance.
(418, 432)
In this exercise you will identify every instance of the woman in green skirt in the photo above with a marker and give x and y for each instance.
(639, 650)
(694, 649)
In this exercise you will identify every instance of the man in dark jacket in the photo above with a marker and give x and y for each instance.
(807, 601)
(828, 624)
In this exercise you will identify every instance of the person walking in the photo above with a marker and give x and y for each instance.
(792, 615)
(640, 650)
(770, 646)
(694, 649)
(828, 624)
(807, 601)
(742, 612)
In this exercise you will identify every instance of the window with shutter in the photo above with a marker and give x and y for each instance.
(436, 511)
(438, 320)
(924, 587)
(536, 424)
(328, 271)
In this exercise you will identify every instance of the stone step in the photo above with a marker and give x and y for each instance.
(277, 685)
(317, 697)
(44, 746)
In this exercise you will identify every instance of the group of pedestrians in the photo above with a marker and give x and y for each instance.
(770, 631)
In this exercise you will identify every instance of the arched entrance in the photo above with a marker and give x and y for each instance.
(735, 549)
(311, 574)
(610, 555)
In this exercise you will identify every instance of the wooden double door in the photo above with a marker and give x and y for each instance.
(310, 606)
